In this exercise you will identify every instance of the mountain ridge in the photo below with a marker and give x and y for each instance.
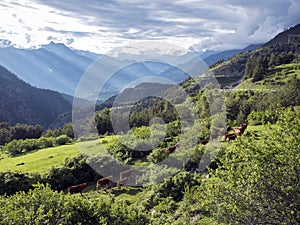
(54, 66)
(233, 69)
(57, 67)
(22, 103)
(224, 55)
(284, 36)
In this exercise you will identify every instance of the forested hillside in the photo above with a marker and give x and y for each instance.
(287, 36)
(22, 103)
(53, 66)
(257, 63)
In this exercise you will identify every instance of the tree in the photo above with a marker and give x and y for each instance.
(257, 181)
(103, 121)
(68, 130)
(248, 68)
(5, 136)
(256, 68)
(259, 69)
(272, 60)
(22, 131)
(289, 94)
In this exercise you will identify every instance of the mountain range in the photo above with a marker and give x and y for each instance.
(57, 67)
(53, 66)
(26, 75)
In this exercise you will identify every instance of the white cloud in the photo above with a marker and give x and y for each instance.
(102, 25)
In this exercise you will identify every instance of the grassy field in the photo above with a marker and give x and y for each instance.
(40, 161)
(275, 78)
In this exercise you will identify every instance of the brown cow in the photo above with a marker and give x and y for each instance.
(240, 130)
(103, 182)
(243, 127)
(77, 188)
(122, 182)
(125, 174)
(230, 137)
(204, 142)
(224, 131)
(172, 148)
(237, 131)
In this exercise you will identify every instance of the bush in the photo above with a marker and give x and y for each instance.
(175, 186)
(17, 147)
(45, 206)
(73, 171)
(263, 117)
(12, 182)
(157, 155)
(63, 139)
(45, 142)
(258, 180)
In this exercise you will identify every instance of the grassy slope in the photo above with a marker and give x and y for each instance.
(41, 161)
(275, 77)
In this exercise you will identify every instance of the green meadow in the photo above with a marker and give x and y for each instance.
(40, 161)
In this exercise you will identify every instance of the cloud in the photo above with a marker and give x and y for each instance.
(260, 21)
(70, 41)
(194, 24)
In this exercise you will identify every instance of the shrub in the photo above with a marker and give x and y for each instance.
(63, 139)
(12, 182)
(17, 147)
(157, 155)
(258, 180)
(45, 206)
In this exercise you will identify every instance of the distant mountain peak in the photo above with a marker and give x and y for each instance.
(53, 45)
(212, 57)
(53, 66)
(5, 43)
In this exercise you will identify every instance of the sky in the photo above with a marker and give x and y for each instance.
(101, 25)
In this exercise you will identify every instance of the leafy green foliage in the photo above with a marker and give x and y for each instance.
(103, 121)
(73, 171)
(256, 68)
(257, 181)
(141, 142)
(148, 108)
(12, 182)
(67, 129)
(17, 147)
(157, 155)
(239, 104)
(45, 206)
(140, 115)
(175, 186)
(19, 131)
